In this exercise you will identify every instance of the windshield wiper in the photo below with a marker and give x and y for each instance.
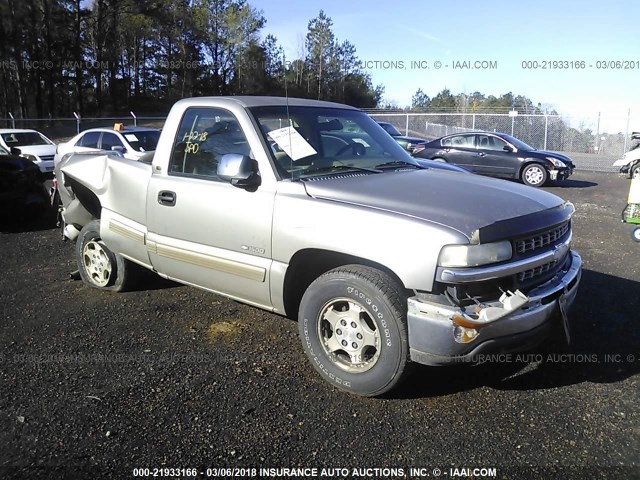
(330, 168)
(395, 163)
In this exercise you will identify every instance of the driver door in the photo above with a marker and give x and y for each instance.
(203, 230)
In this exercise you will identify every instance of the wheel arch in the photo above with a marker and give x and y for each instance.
(308, 264)
(83, 206)
(529, 161)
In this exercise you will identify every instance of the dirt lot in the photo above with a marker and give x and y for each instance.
(94, 384)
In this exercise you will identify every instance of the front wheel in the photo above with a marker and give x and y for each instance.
(100, 267)
(534, 175)
(635, 172)
(352, 323)
(635, 234)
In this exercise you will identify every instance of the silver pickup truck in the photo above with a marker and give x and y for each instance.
(310, 209)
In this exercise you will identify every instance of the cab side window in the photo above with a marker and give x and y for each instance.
(204, 136)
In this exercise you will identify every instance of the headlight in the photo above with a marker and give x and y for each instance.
(556, 163)
(33, 158)
(474, 255)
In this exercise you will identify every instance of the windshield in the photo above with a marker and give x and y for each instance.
(142, 140)
(519, 144)
(23, 139)
(314, 141)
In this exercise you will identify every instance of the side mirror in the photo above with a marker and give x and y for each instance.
(16, 151)
(118, 149)
(239, 170)
(507, 148)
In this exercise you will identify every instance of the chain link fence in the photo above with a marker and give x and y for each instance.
(62, 129)
(590, 149)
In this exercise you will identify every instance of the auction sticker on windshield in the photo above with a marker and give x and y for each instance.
(294, 144)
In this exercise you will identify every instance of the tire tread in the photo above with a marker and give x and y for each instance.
(393, 294)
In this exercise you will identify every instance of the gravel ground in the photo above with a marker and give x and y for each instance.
(93, 384)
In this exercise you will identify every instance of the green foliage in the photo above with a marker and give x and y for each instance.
(420, 101)
(111, 56)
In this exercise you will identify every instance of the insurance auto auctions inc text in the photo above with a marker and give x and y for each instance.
(463, 64)
(359, 472)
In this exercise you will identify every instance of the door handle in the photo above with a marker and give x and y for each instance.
(482, 154)
(167, 198)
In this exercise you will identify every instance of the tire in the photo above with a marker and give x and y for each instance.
(99, 267)
(534, 175)
(344, 307)
(635, 234)
(439, 159)
(635, 172)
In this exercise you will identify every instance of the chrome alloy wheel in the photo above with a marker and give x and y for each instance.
(97, 263)
(534, 175)
(349, 335)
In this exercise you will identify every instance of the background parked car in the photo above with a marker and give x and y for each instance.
(441, 165)
(630, 162)
(131, 142)
(30, 144)
(21, 187)
(410, 144)
(499, 155)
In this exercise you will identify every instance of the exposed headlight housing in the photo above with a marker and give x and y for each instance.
(474, 255)
(556, 163)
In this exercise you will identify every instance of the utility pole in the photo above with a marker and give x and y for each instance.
(598, 136)
(320, 73)
(626, 134)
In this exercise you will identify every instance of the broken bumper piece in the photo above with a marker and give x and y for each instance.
(442, 334)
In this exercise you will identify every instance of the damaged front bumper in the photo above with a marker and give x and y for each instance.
(436, 338)
(560, 174)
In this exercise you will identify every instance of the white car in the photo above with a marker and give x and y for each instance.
(31, 145)
(130, 142)
(629, 164)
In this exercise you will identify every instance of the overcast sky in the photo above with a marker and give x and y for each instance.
(388, 36)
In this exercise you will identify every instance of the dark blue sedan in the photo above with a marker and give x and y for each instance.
(499, 155)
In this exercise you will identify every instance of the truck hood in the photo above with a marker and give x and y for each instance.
(466, 203)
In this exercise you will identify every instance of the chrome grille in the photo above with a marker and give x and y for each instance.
(534, 272)
(46, 158)
(541, 240)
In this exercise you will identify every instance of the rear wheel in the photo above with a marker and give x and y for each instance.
(353, 328)
(635, 172)
(99, 267)
(635, 234)
(534, 175)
